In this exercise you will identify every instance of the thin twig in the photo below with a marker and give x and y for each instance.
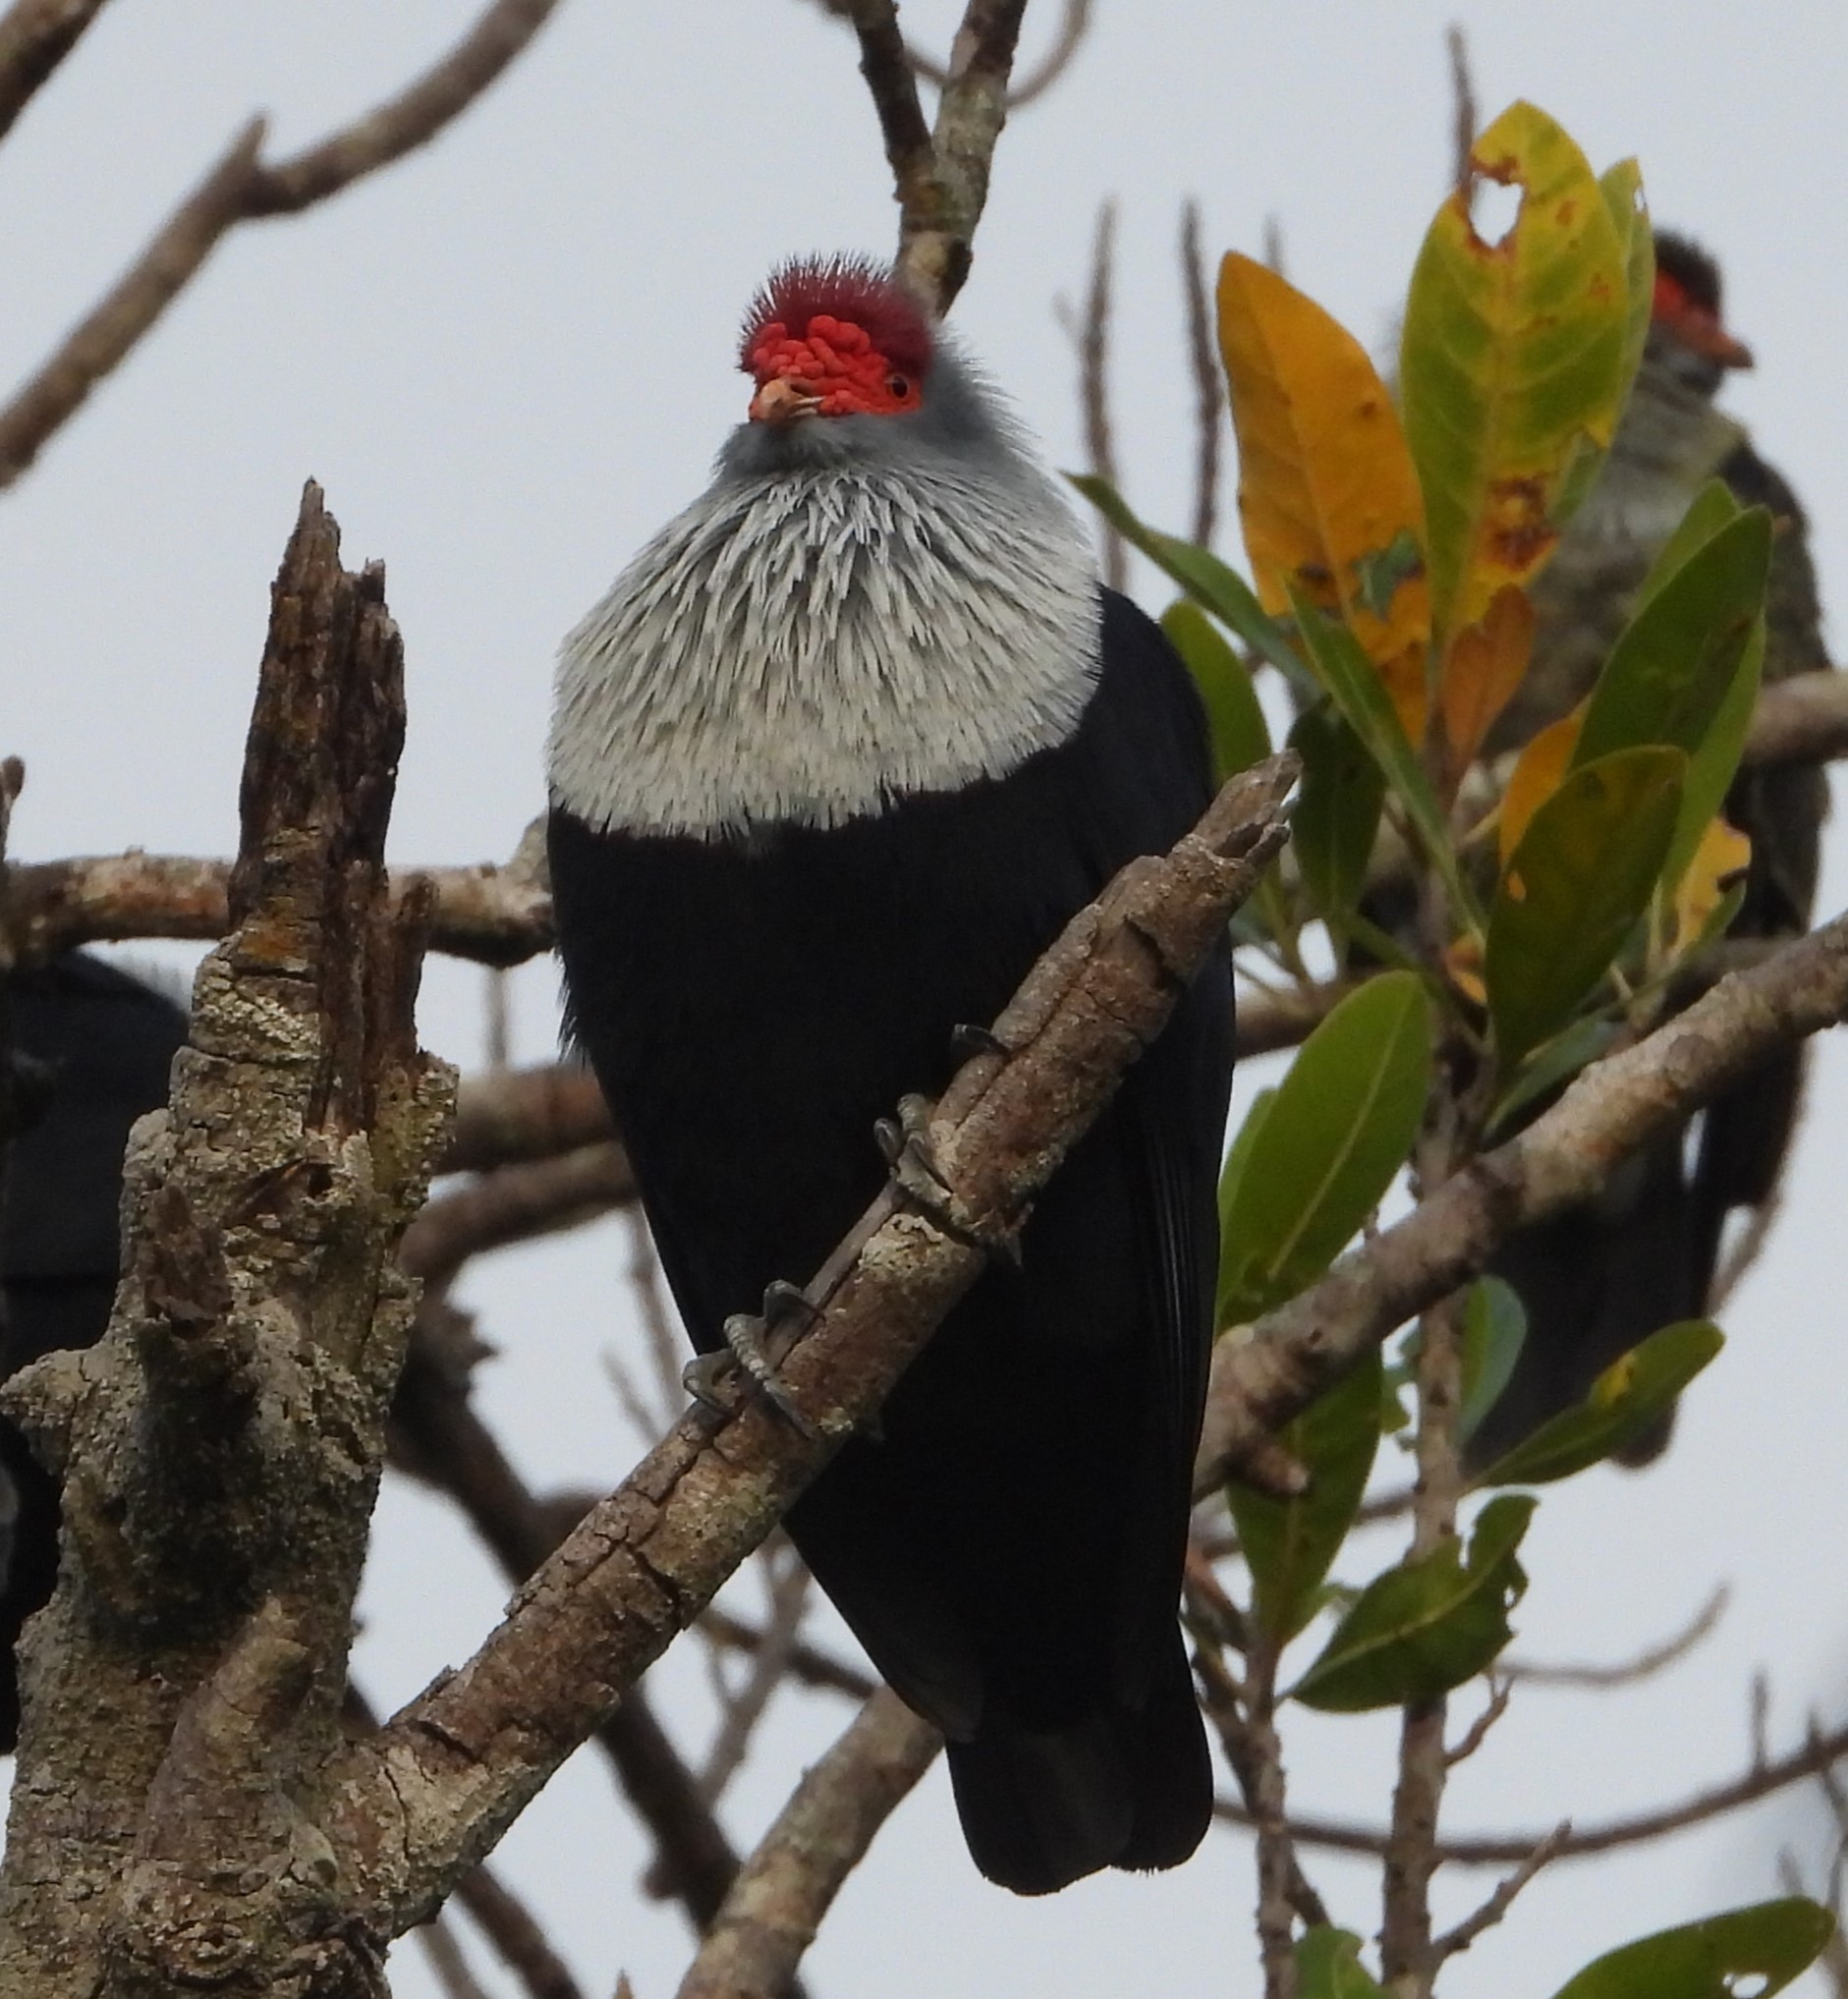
(787, 1578)
(1500, 1692)
(515, 1204)
(1040, 77)
(1208, 390)
(518, 1114)
(787, 1885)
(1091, 337)
(241, 188)
(35, 36)
(808, 1663)
(447, 1960)
(1625, 1672)
(1497, 1850)
(1498, 1903)
(519, 1941)
(1464, 119)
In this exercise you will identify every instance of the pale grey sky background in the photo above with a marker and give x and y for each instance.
(509, 359)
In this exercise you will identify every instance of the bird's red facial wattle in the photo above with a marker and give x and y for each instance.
(834, 339)
(1696, 324)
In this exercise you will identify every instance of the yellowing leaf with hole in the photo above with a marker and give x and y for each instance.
(1325, 483)
(1537, 775)
(1512, 365)
(1719, 861)
(1482, 666)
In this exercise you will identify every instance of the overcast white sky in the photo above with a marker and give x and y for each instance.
(510, 359)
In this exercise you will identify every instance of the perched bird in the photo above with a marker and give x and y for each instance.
(102, 1043)
(1601, 1277)
(834, 759)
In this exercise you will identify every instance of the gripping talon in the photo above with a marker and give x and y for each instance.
(702, 1375)
(747, 1337)
(912, 1157)
(967, 1039)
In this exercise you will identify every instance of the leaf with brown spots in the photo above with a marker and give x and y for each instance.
(1515, 361)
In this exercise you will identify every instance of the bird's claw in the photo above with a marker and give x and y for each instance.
(910, 1154)
(747, 1350)
(969, 1039)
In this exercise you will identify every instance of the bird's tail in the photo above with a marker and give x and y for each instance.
(1125, 1787)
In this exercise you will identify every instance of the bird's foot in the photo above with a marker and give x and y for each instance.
(969, 1039)
(747, 1349)
(910, 1154)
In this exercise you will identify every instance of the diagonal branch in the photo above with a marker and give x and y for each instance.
(431, 1794)
(35, 36)
(241, 188)
(819, 1837)
(1264, 1374)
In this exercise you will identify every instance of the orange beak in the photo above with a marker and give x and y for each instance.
(780, 401)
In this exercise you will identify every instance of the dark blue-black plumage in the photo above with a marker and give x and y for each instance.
(1009, 1550)
(103, 1044)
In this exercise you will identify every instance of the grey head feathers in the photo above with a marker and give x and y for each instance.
(857, 608)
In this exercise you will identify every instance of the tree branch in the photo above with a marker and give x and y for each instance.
(241, 188)
(35, 36)
(431, 1794)
(513, 1204)
(1044, 73)
(787, 1886)
(1264, 1374)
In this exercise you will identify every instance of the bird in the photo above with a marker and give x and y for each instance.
(834, 759)
(1599, 1278)
(99, 1043)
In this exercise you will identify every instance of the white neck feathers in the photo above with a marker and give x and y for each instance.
(807, 647)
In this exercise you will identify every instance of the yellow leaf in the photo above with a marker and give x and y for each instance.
(1721, 858)
(1325, 481)
(1481, 669)
(1512, 365)
(1463, 964)
(1537, 775)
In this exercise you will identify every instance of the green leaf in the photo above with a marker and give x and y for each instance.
(1757, 1950)
(1325, 1150)
(1427, 1624)
(1202, 575)
(1712, 507)
(1674, 663)
(1551, 1063)
(1714, 766)
(1494, 1330)
(1289, 1543)
(1354, 685)
(1620, 1406)
(1337, 812)
(1239, 1151)
(1240, 735)
(1572, 890)
(1328, 1966)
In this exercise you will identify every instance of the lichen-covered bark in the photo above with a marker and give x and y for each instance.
(222, 1445)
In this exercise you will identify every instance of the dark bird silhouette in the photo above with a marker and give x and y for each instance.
(1601, 1277)
(99, 1045)
(831, 764)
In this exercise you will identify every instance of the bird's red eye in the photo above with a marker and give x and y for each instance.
(898, 387)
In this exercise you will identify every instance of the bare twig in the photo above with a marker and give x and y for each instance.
(453, 1448)
(1502, 1900)
(1091, 337)
(1208, 390)
(516, 1114)
(520, 1944)
(810, 1665)
(1625, 1672)
(941, 174)
(1464, 118)
(242, 187)
(35, 36)
(785, 1888)
(1039, 79)
(513, 1204)
(1499, 1850)
(1500, 1692)
(447, 1960)
(787, 1576)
